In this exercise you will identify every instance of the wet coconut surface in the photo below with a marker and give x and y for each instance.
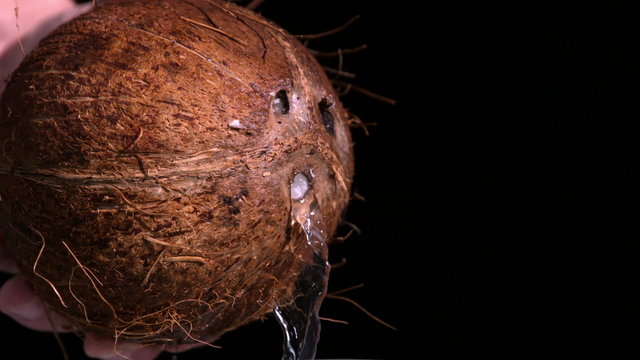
(151, 167)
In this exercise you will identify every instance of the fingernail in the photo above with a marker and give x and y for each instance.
(29, 311)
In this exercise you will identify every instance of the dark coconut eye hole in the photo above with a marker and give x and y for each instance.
(281, 103)
(327, 116)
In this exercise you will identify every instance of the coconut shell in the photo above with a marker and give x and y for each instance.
(148, 149)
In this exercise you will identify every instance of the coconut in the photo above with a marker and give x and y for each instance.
(151, 155)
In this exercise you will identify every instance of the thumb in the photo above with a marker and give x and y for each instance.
(34, 19)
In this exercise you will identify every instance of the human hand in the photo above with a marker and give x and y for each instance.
(37, 18)
(18, 301)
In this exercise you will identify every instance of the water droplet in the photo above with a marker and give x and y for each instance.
(299, 186)
(300, 320)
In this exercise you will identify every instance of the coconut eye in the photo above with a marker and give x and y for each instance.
(281, 103)
(327, 116)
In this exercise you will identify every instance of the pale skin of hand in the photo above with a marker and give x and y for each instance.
(36, 19)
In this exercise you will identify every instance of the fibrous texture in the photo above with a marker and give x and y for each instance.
(148, 149)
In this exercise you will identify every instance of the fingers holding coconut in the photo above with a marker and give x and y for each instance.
(101, 347)
(18, 301)
(35, 18)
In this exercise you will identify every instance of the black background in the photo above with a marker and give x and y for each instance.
(497, 189)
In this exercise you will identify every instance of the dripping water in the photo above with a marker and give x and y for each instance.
(300, 320)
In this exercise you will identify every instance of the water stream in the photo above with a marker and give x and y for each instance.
(300, 320)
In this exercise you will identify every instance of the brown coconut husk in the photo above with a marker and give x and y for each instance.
(145, 172)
